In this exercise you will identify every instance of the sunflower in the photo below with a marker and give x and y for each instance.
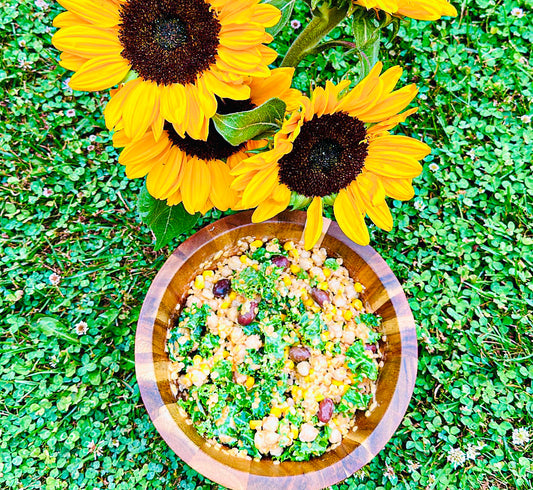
(196, 172)
(175, 56)
(338, 148)
(416, 9)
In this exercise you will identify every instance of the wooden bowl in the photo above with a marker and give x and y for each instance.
(383, 296)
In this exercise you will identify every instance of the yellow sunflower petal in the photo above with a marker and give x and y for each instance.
(351, 218)
(426, 9)
(68, 19)
(115, 107)
(88, 42)
(267, 15)
(313, 224)
(271, 207)
(404, 145)
(237, 37)
(141, 109)
(100, 73)
(143, 150)
(99, 12)
(377, 210)
(222, 196)
(226, 90)
(71, 61)
(260, 186)
(400, 189)
(196, 185)
(389, 106)
(164, 176)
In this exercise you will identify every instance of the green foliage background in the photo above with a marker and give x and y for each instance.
(70, 411)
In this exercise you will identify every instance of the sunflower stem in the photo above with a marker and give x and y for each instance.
(324, 20)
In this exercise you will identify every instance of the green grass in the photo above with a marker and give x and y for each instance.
(70, 411)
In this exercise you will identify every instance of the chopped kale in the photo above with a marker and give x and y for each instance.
(311, 327)
(208, 344)
(332, 264)
(353, 398)
(359, 363)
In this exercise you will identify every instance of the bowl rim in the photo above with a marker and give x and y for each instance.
(232, 477)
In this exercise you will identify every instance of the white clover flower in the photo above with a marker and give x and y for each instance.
(47, 192)
(411, 466)
(296, 24)
(433, 167)
(419, 205)
(70, 113)
(81, 328)
(526, 119)
(520, 436)
(42, 4)
(54, 279)
(518, 13)
(472, 452)
(456, 457)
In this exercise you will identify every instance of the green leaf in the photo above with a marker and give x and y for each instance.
(166, 222)
(286, 7)
(240, 127)
(52, 327)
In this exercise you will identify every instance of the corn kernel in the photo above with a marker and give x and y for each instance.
(288, 246)
(232, 295)
(255, 424)
(334, 309)
(276, 411)
(325, 335)
(197, 359)
(323, 285)
(255, 266)
(327, 272)
(347, 315)
(256, 244)
(295, 268)
(315, 309)
(328, 317)
(319, 397)
(294, 432)
(243, 259)
(225, 305)
(225, 354)
(290, 364)
(283, 316)
(280, 382)
(309, 302)
(250, 381)
(307, 379)
(208, 273)
(358, 287)
(199, 282)
(337, 383)
(335, 420)
(329, 346)
(357, 304)
(287, 280)
(205, 369)
(294, 254)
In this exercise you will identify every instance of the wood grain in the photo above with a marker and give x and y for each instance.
(383, 296)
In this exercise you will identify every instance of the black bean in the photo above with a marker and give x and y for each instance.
(221, 288)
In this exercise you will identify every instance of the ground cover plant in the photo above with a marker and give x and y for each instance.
(76, 263)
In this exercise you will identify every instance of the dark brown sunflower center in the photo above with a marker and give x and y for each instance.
(169, 41)
(170, 33)
(328, 154)
(216, 147)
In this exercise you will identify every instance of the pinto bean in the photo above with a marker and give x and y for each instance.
(299, 354)
(325, 410)
(320, 296)
(280, 261)
(248, 316)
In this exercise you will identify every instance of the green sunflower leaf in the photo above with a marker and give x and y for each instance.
(166, 222)
(286, 7)
(240, 127)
